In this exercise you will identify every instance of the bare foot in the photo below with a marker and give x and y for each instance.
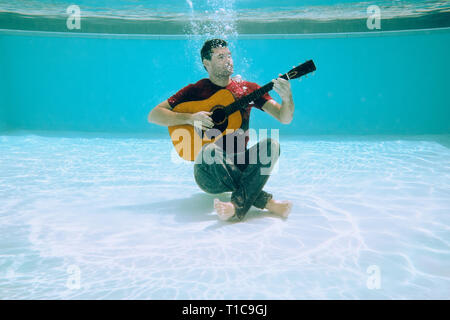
(225, 210)
(281, 208)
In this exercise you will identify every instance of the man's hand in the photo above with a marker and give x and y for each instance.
(203, 118)
(283, 88)
(285, 111)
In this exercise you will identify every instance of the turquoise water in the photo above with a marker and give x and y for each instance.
(90, 191)
(363, 84)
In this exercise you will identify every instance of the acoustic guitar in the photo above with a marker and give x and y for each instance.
(188, 140)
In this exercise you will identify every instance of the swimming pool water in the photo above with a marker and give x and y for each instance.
(93, 205)
(135, 225)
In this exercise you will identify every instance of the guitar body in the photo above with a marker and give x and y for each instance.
(188, 140)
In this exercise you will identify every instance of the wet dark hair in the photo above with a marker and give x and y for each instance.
(209, 45)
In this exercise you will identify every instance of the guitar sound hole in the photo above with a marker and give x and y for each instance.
(220, 122)
(218, 116)
(216, 130)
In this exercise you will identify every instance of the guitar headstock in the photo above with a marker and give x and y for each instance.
(300, 70)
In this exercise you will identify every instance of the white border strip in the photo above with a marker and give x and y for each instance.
(239, 37)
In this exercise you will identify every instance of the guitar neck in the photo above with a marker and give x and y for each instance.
(244, 101)
(295, 73)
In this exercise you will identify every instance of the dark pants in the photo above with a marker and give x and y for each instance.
(244, 174)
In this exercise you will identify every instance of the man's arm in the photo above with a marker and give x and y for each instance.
(164, 116)
(282, 112)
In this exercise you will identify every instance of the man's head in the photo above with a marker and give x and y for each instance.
(216, 58)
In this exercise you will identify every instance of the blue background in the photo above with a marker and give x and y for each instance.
(363, 84)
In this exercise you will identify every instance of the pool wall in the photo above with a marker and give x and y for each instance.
(383, 83)
(4, 105)
(3, 110)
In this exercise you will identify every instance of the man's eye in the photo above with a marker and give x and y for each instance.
(222, 56)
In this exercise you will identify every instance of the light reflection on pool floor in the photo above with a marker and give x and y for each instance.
(136, 226)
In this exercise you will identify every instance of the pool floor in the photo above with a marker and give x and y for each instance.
(118, 218)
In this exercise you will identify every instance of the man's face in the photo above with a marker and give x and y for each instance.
(221, 63)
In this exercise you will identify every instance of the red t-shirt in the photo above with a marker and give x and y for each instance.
(204, 88)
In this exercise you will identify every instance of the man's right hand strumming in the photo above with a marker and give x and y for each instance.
(203, 119)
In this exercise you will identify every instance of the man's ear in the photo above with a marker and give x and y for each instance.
(206, 64)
